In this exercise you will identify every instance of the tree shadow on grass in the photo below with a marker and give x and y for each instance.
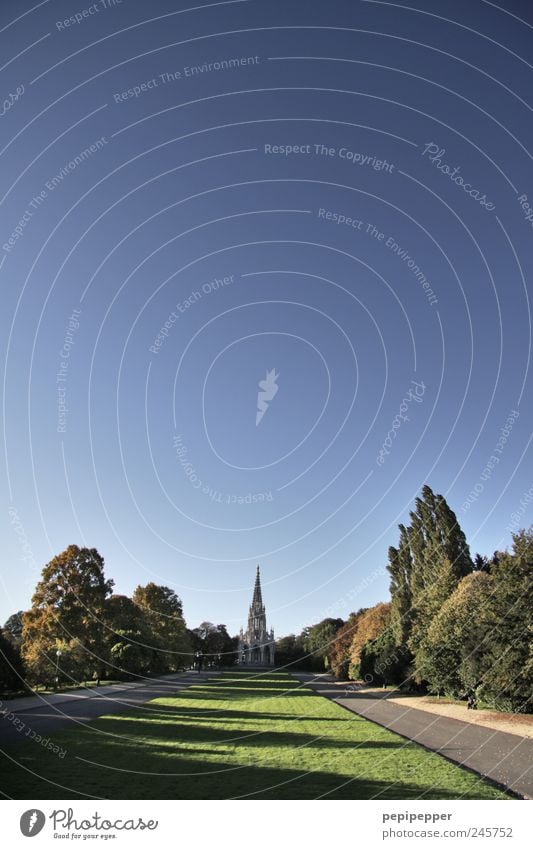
(223, 714)
(267, 682)
(171, 731)
(189, 778)
(56, 721)
(243, 692)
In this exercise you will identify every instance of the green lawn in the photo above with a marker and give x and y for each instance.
(240, 735)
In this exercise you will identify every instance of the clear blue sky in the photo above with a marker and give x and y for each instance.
(249, 186)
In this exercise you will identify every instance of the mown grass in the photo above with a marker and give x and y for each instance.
(240, 735)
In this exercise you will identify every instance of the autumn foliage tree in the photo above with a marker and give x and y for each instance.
(369, 626)
(67, 615)
(339, 650)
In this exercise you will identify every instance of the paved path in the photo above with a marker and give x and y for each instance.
(49, 713)
(505, 758)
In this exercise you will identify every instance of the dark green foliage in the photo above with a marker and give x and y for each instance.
(12, 677)
(290, 653)
(163, 613)
(507, 681)
(452, 656)
(383, 661)
(400, 568)
(215, 644)
(431, 559)
(481, 563)
(13, 628)
(131, 643)
(467, 624)
(480, 641)
(317, 641)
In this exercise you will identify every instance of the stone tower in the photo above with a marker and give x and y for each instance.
(256, 644)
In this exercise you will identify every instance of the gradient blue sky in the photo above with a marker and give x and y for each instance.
(158, 449)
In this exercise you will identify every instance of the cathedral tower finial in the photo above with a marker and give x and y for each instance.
(257, 597)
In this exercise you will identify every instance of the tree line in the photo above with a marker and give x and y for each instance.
(454, 625)
(78, 630)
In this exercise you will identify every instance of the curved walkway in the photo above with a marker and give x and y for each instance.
(504, 758)
(45, 714)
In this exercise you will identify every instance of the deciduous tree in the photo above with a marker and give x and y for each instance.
(369, 626)
(68, 605)
(164, 613)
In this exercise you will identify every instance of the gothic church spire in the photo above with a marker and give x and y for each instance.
(257, 599)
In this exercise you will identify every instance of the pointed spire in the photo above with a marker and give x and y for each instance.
(257, 599)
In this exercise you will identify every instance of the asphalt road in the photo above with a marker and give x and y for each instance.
(505, 758)
(45, 719)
